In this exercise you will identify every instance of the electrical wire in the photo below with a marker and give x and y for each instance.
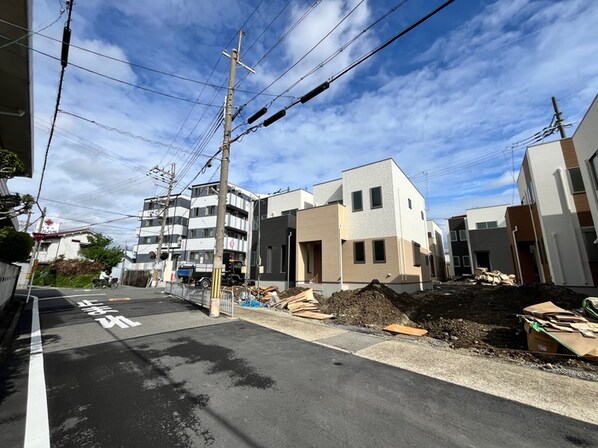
(88, 208)
(122, 61)
(56, 107)
(30, 32)
(344, 71)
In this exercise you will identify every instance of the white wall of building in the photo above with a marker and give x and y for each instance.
(562, 236)
(486, 214)
(412, 221)
(585, 141)
(67, 246)
(296, 199)
(326, 192)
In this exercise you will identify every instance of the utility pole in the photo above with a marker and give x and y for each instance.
(162, 175)
(35, 254)
(223, 185)
(559, 118)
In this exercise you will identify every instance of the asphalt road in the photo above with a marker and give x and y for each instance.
(166, 375)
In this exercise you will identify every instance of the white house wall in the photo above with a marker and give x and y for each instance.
(486, 214)
(562, 236)
(585, 141)
(327, 192)
(296, 199)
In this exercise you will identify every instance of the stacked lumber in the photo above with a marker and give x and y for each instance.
(303, 304)
(265, 294)
(494, 278)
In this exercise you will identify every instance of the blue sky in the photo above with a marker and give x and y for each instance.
(446, 101)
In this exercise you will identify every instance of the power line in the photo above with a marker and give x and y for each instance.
(30, 32)
(324, 86)
(64, 62)
(122, 61)
(89, 208)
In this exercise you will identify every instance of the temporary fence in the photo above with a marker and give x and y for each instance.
(201, 296)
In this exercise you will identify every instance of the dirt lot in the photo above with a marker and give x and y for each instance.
(466, 316)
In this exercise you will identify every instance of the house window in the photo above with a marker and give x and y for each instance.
(589, 236)
(417, 254)
(463, 235)
(576, 180)
(292, 212)
(456, 262)
(422, 214)
(357, 200)
(593, 168)
(486, 225)
(358, 252)
(409, 203)
(466, 263)
(379, 251)
(376, 197)
(454, 235)
(429, 234)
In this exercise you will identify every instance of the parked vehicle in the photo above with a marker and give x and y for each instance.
(97, 283)
(231, 274)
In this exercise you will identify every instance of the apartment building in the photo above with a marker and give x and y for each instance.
(369, 224)
(274, 235)
(190, 229)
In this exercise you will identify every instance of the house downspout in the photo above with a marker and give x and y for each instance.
(401, 248)
(558, 255)
(520, 275)
(340, 254)
(574, 228)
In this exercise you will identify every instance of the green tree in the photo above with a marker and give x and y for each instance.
(98, 250)
(14, 245)
(13, 204)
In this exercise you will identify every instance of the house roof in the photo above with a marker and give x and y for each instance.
(69, 233)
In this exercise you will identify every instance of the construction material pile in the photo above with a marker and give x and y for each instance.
(551, 329)
(493, 278)
(303, 304)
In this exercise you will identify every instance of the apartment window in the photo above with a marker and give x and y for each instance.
(208, 232)
(486, 225)
(454, 235)
(195, 212)
(466, 262)
(357, 200)
(576, 180)
(409, 203)
(210, 210)
(292, 212)
(147, 240)
(456, 262)
(589, 236)
(376, 197)
(379, 251)
(358, 252)
(417, 254)
(463, 235)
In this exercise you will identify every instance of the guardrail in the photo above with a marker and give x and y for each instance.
(201, 296)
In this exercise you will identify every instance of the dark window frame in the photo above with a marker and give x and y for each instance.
(375, 255)
(362, 250)
(380, 202)
(354, 195)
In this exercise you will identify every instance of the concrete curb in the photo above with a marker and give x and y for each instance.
(571, 397)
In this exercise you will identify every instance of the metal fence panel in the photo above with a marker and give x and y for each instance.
(201, 296)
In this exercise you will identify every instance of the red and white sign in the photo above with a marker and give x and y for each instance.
(38, 236)
(50, 226)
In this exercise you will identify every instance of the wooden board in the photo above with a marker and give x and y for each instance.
(312, 315)
(402, 329)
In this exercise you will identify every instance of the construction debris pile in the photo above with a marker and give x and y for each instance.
(303, 304)
(493, 278)
(551, 329)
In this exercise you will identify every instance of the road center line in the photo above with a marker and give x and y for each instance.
(37, 426)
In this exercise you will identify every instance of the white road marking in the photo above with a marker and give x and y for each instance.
(71, 296)
(37, 426)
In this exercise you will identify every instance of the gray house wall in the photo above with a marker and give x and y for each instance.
(496, 243)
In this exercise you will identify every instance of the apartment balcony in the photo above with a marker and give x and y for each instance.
(235, 245)
(235, 222)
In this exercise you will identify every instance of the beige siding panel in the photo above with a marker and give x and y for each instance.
(569, 153)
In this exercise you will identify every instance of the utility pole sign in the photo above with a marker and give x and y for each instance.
(223, 185)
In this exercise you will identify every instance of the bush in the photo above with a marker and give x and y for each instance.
(68, 273)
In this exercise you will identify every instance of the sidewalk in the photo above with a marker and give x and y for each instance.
(562, 395)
